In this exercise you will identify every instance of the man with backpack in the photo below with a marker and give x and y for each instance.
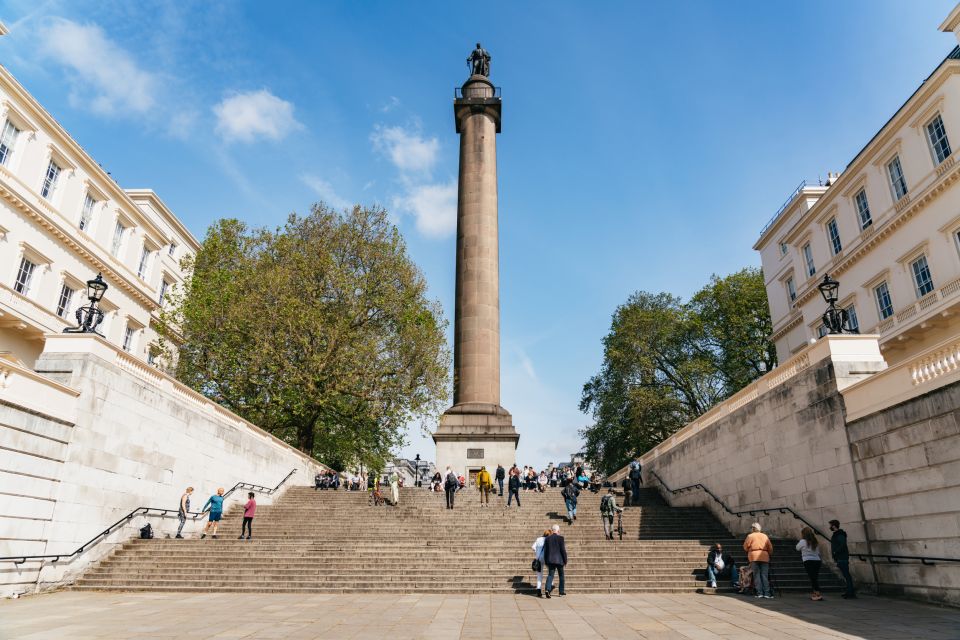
(609, 508)
(513, 489)
(635, 479)
(501, 474)
(570, 494)
(450, 486)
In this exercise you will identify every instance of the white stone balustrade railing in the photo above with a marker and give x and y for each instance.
(24, 387)
(914, 308)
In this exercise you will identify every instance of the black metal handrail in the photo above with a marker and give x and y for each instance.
(892, 558)
(138, 511)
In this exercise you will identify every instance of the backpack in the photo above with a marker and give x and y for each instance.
(452, 481)
(606, 505)
(146, 532)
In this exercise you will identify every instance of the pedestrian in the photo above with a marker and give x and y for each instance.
(570, 494)
(636, 477)
(609, 508)
(719, 564)
(450, 486)
(542, 482)
(627, 491)
(810, 555)
(841, 555)
(215, 503)
(317, 481)
(501, 474)
(249, 509)
(484, 484)
(183, 510)
(395, 488)
(555, 555)
(513, 489)
(759, 549)
(537, 564)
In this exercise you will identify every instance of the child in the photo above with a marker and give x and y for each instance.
(216, 513)
(248, 510)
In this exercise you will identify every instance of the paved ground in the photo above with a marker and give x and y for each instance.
(128, 615)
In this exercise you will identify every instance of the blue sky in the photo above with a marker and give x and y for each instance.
(644, 144)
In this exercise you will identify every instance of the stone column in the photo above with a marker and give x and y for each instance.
(476, 431)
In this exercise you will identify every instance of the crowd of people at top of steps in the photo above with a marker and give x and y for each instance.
(214, 509)
(755, 576)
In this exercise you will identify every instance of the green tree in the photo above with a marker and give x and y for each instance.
(320, 332)
(666, 362)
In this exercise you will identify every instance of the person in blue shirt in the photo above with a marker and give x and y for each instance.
(216, 513)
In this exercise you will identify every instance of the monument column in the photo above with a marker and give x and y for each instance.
(476, 431)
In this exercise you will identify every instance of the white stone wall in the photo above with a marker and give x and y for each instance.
(137, 439)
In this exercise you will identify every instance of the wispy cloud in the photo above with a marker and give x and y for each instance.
(245, 117)
(433, 206)
(408, 150)
(392, 103)
(325, 191)
(104, 77)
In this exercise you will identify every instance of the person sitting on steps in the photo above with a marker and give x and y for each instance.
(720, 564)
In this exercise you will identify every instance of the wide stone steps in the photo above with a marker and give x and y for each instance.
(336, 542)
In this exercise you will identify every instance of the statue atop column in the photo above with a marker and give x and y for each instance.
(479, 62)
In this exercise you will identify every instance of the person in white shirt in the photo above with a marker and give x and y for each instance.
(538, 558)
(719, 564)
(810, 554)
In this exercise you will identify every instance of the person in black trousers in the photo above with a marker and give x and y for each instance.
(513, 487)
(555, 557)
(841, 555)
(450, 486)
(501, 474)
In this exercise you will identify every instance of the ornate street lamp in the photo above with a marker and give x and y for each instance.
(90, 317)
(835, 320)
(417, 482)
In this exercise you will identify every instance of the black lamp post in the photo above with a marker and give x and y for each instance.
(416, 481)
(835, 320)
(90, 317)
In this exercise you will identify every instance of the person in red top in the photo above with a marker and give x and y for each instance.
(249, 509)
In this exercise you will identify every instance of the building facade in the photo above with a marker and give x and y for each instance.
(887, 228)
(63, 219)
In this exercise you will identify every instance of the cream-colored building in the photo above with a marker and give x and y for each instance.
(887, 228)
(63, 219)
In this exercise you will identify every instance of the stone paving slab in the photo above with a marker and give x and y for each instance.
(115, 616)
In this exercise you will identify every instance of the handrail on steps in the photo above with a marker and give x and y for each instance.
(138, 511)
(891, 558)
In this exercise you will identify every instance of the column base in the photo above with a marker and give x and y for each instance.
(475, 435)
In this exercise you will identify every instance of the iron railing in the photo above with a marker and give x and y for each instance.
(891, 558)
(793, 194)
(146, 511)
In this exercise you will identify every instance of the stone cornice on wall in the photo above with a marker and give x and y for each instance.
(779, 332)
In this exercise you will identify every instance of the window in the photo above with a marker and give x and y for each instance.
(937, 135)
(863, 209)
(783, 248)
(86, 215)
(852, 322)
(63, 304)
(808, 258)
(164, 285)
(118, 232)
(921, 276)
(24, 276)
(8, 138)
(128, 334)
(791, 290)
(144, 263)
(897, 181)
(884, 304)
(50, 180)
(821, 330)
(173, 249)
(834, 234)
(152, 358)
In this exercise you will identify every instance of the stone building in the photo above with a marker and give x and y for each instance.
(887, 228)
(63, 219)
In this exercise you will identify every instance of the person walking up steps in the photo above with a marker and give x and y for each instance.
(810, 555)
(841, 555)
(608, 509)
(570, 494)
(249, 509)
(636, 477)
(501, 474)
(215, 503)
(183, 510)
(450, 485)
(513, 489)
(484, 484)
(555, 555)
(759, 549)
(537, 564)
(395, 488)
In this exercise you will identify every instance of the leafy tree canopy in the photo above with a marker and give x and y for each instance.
(666, 362)
(320, 332)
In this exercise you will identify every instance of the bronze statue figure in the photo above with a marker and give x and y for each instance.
(479, 62)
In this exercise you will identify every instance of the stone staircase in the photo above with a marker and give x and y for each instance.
(335, 542)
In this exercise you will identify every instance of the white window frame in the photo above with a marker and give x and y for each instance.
(897, 179)
(809, 265)
(852, 313)
(791, 290)
(833, 236)
(876, 298)
(119, 235)
(164, 287)
(865, 209)
(129, 338)
(9, 135)
(822, 330)
(62, 309)
(49, 185)
(917, 285)
(172, 250)
(25, 285)
(86, 212)
(143, 267)
(940, 144)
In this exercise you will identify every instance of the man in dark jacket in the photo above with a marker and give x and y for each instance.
(513, 488)
(720, 565)
(450, 486)
(841, 555)
(570, 494)
(635, 479)
(501, 474)
(555, 557)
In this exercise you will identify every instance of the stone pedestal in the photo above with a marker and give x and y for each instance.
(476, 431)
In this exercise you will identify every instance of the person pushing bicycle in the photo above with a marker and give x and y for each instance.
(608, 507)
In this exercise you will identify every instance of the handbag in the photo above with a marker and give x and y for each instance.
(535, 565)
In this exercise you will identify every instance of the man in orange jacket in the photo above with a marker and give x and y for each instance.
(759, 549)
